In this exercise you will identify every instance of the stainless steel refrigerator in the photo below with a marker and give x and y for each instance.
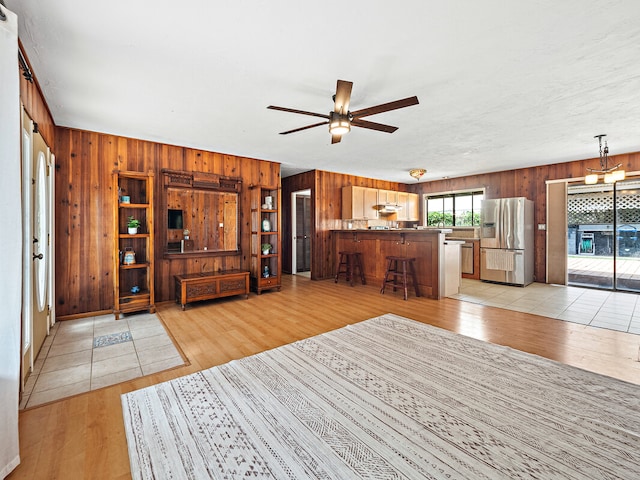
(506, 241)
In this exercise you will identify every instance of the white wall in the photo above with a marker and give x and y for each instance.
(10, 243)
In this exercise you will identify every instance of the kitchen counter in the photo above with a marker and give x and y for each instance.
(396, 230)
(426, 245)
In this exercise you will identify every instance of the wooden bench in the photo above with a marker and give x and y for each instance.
(206, 286)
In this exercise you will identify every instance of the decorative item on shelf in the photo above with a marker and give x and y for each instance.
(132, 225)
(135, 289)
(187, 245)
(129, 256)
(268, 201)
(186, 233)
(611, 174)
(125, 199)
(266, 225)
(417, 173)
(265, 271)
(266, 248)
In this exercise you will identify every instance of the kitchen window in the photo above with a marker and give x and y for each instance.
(453, 209)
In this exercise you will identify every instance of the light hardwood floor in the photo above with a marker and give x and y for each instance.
(83, 436)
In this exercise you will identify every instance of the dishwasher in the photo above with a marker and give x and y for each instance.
(466, 258)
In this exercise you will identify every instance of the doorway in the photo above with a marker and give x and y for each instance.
(301, 230)
(603, 247)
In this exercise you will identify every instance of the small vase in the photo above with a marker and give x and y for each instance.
(133, 230)
(265, 252)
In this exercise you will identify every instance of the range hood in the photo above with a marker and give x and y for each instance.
(388, 208)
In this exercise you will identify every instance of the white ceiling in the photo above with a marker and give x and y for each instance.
(502, 84)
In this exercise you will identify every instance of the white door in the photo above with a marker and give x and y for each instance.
(40, 242)
(37, 245)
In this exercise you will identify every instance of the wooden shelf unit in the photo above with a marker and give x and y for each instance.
(259, 260)
(138, 186)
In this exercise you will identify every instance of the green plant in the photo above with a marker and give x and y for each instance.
(132, 222)
(266, 247)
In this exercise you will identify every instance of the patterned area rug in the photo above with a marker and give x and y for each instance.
(386, 398)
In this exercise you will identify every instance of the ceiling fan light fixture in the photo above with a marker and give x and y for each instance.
(339, 124)
(417, 173)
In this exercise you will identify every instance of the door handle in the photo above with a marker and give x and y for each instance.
(39, 256)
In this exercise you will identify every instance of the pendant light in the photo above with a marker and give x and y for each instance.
(611, 174)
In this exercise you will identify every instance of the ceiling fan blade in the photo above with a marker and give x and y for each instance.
(303, 128)
(356, 122)
(385, 107)
(343, 96)
(301, 112)
(335, 139)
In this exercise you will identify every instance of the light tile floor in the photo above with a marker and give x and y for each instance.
(94, 352)
(597, 308)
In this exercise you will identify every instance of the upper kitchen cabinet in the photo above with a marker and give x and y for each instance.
(387, 197)
(410, 211)
(358, 203)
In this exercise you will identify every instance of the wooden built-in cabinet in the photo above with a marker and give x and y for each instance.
(133, 255)
(266, 267)
(387, 197)
(358, 203)
(410, 210)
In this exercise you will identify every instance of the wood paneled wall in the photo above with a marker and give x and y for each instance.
(84, 209)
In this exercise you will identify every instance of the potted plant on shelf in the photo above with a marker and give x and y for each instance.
(133, 225)
(266, 248)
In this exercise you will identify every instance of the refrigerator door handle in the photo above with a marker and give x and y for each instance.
(499, 214)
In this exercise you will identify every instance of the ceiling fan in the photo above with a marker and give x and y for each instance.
(341, 119)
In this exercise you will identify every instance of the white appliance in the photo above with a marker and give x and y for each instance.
(506, 241)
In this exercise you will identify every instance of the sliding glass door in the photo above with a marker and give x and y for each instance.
(602, 244)
(627, 260)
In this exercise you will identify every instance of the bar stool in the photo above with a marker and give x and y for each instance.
(394, 270)
(348, 264)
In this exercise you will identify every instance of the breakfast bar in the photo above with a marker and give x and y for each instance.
(437, 262)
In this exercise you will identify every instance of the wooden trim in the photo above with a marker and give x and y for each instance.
(200, 181)
(556, 230)
(76, 316)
